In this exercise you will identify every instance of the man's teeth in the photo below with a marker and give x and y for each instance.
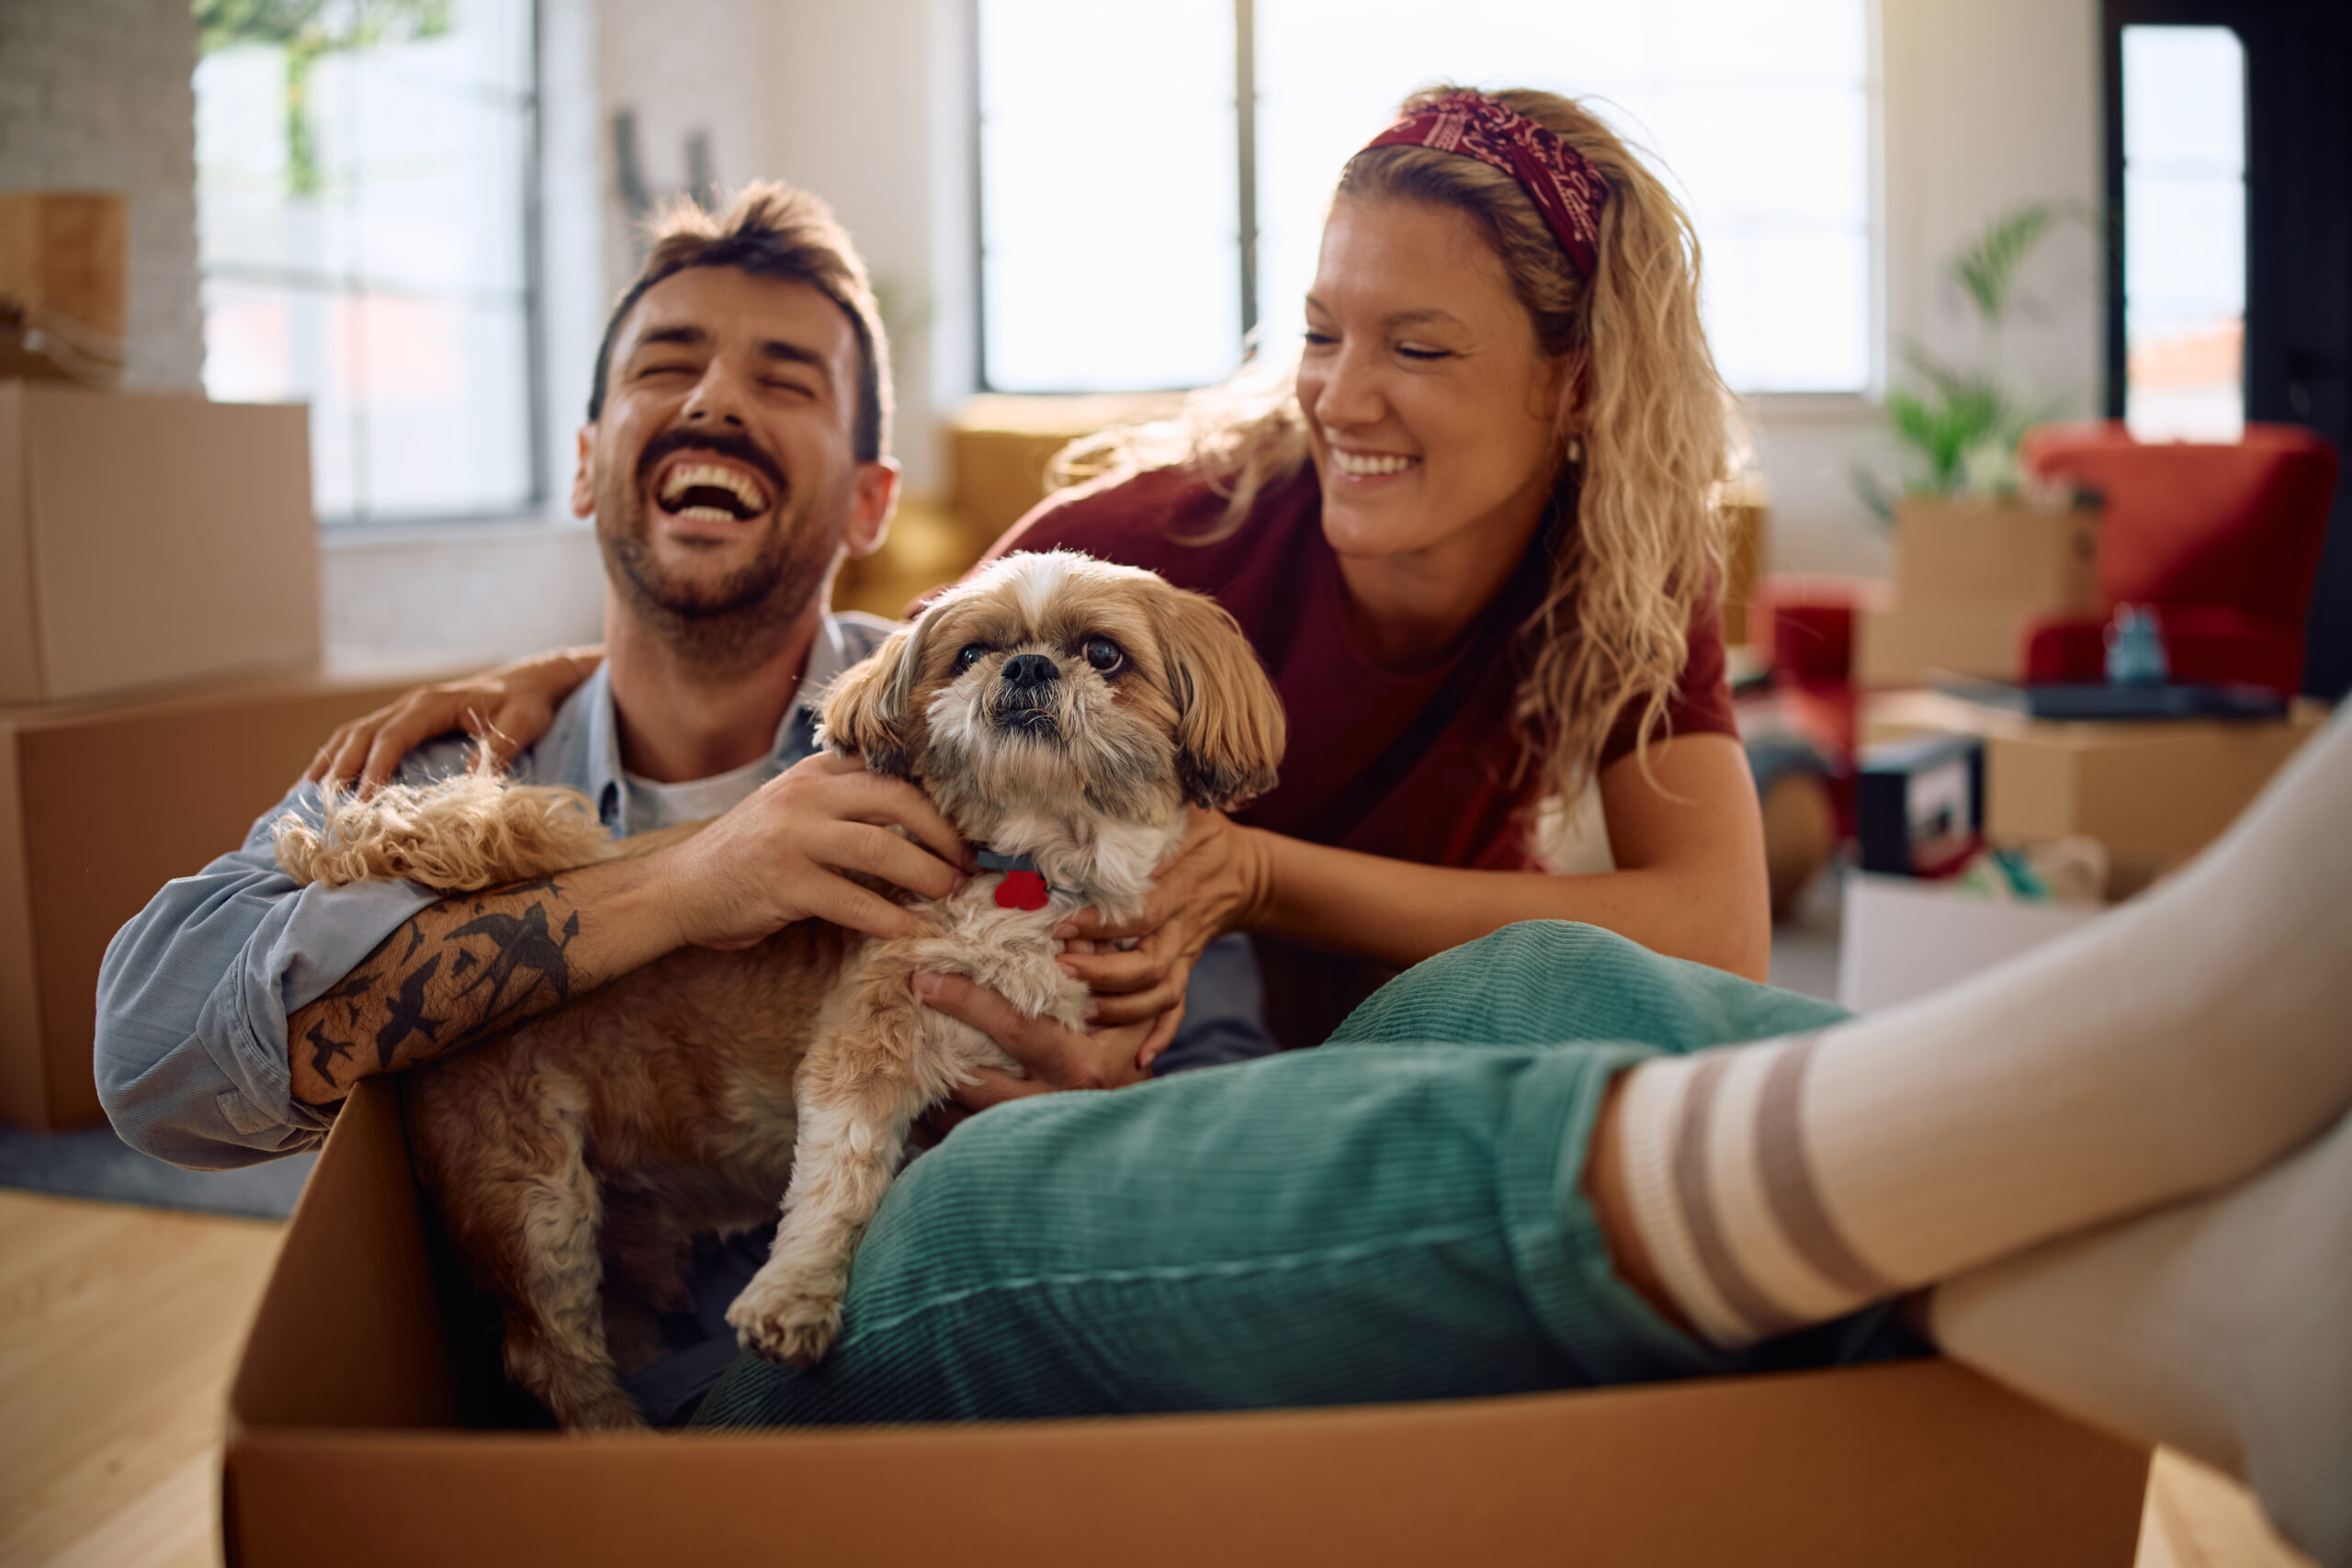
(1368, 464)
(687, 476)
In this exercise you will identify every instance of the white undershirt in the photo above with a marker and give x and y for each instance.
(653, 806)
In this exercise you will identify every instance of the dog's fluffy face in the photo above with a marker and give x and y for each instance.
(1060, 685)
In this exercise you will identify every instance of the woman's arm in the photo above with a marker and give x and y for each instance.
(505, 709)
(1690, 880)
(1690, 883)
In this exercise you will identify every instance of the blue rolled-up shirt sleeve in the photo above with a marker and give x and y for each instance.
(194, 992)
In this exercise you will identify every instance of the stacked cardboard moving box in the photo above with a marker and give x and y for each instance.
(159, 643)
(1969, 576)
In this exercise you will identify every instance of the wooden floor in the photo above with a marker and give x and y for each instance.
(119, 1328)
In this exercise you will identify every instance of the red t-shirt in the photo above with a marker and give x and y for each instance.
(1457, 805)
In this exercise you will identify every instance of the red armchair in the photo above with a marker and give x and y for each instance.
(2221, 541)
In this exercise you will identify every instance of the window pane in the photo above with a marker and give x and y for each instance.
(362, 209)
(1108, 194)
(271, 344)
(1758, 115)
(2184, 232)
(1110, 236)
(437, 436)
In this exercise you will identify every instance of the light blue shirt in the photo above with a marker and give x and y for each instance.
(194, 992)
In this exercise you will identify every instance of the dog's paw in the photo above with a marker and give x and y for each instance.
(791, 1328)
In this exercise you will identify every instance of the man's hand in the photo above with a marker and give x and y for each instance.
(1054, 1056)
(1216, 883)
(784, 854)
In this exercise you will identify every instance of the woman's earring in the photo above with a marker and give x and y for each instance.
(1576, 449)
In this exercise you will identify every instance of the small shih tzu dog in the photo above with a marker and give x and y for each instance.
(1061, 712)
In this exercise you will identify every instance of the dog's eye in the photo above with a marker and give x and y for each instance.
(970, 655)
(1103, 654)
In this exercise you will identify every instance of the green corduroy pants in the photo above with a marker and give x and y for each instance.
(1397, 1215)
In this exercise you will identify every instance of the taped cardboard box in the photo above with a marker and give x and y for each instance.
(1907, 644)
(1971, 552)
(64, 255)
(1900, 937)
(100, 804)
(344, 1447)
(2153, 793)
(147, 540)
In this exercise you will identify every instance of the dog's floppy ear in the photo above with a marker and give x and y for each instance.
(1228, 718)
(866, 711)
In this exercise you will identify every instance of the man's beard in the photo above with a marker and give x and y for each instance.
(735, 619)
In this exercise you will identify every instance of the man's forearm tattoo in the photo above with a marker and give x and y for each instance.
(453, 974)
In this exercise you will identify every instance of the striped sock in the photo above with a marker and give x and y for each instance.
(2179, 1045)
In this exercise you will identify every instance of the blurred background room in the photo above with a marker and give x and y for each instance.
(2038, 314)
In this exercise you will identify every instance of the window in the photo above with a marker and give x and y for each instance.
(1121, 163)
(363, 215)
(2183, 233)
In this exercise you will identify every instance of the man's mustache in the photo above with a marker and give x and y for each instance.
(724, 443)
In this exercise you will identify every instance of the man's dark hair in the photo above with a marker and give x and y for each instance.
(771, 229)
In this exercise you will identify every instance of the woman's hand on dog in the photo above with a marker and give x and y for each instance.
(1216, 883)
(504, 709)
(788, 851)
(1054, 1056)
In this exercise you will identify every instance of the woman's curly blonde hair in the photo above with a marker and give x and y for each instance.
(1641, 535)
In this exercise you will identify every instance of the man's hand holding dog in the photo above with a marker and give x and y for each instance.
(789, 852)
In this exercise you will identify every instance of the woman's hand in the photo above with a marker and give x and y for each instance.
(1055, 1058)
(504, 709)
(1216, 883)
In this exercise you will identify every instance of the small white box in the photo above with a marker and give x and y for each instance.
(1902, 937)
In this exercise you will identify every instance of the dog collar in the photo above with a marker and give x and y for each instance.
(1023, 887)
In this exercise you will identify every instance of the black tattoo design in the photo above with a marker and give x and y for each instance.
(524, 944)
(325, 1053)
(465, 961)
(408, 1014)
(415, 941)
(349, 993)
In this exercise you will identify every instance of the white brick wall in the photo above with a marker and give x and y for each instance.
(94, 95)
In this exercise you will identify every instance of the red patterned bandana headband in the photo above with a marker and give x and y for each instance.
(1567, 189)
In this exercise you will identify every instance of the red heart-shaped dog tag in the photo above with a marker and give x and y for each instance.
(1022, 890)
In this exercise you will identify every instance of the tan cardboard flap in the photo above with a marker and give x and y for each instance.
(102, 834)
(19, 624)
(1953, 552)
(175, 537)
(1915, 1464)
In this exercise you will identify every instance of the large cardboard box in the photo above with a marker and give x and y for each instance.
(100, 804)
(64, 255)
(344, 1447)
(1988, 552)
(1970, 576)
(2153, 793)
(1900, 937)
(1905, 644)
(150, 539)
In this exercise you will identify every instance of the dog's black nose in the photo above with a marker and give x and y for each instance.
(1030, 670)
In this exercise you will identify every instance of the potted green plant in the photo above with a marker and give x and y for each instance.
(1959, 427)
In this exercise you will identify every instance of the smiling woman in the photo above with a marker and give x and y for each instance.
(1472, 530)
